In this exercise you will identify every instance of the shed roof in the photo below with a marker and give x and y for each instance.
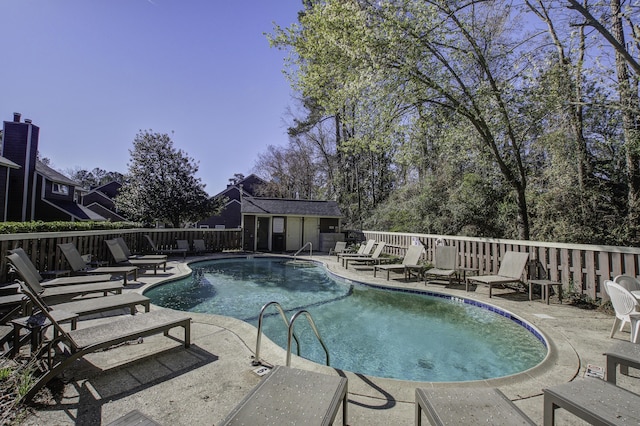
(287, 207)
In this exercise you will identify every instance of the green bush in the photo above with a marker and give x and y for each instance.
(40, 226)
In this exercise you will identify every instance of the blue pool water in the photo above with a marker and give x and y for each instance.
(368, 330)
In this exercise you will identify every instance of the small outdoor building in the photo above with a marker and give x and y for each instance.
(276, 224)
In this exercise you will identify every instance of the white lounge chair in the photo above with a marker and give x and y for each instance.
(121, 259)
(340, 247)
(199, 246)
(364, 250)
(83, 341)
(410, 260)
(511, 270)
(167, 251)
(127, 252)
(60, 281)
(289, 396)
(444, 265)
(61, 292)
(80, 267)
(372, 259)
(183, 245)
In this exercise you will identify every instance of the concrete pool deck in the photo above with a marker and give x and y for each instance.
(201, 385)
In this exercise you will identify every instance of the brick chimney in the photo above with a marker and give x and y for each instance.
(20, 145)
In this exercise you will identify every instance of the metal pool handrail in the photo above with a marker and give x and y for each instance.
(302, 248)
(256, 360)
(313, 327)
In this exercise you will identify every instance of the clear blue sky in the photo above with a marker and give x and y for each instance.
(92, 73)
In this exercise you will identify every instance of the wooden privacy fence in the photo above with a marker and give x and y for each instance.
(46, 256)
(581, 268)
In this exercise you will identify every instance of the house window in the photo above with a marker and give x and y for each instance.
(59, 188)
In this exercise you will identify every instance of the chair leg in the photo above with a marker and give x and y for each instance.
(622, 325)
(635, 330)
(616, 321)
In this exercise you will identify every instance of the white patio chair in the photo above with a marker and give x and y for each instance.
(630, 283)
(626, 308)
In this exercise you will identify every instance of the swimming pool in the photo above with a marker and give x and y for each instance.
(374, 331)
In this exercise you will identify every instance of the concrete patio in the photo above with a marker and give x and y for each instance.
(201, 385)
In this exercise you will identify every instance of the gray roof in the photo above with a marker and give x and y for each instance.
(76, 210)
(54, 175)
(8, 163)
(285, 207)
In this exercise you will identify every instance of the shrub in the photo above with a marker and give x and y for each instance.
(40, 226)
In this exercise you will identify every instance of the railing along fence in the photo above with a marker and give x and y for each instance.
(43, 250)
(581, 268)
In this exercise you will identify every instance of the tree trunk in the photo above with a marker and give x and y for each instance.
(523, 215)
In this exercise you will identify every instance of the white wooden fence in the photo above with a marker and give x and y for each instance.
(581, 268)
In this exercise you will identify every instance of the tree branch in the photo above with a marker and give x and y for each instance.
(592, 21)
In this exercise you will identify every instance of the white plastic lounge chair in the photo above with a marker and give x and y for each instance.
(411, 259)
(373, 259)
(444, 265)
(90, 339)
(169, 251)
(66, 291)
(85, 279)
(121, 259)
(127, 251)
(626, 307)
(511, 270)
(79, 266)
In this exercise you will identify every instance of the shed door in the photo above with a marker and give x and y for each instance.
(277, 243)
(294, 233)
(311, 232)
(262, 243)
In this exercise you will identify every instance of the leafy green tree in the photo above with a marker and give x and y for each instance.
(472, 118)
(376, 63)
(95, 177)
(161, 185)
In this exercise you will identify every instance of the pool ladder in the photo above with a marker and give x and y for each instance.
(290, 335)
(302, 248)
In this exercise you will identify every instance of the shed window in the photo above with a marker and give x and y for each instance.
(59, 188)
